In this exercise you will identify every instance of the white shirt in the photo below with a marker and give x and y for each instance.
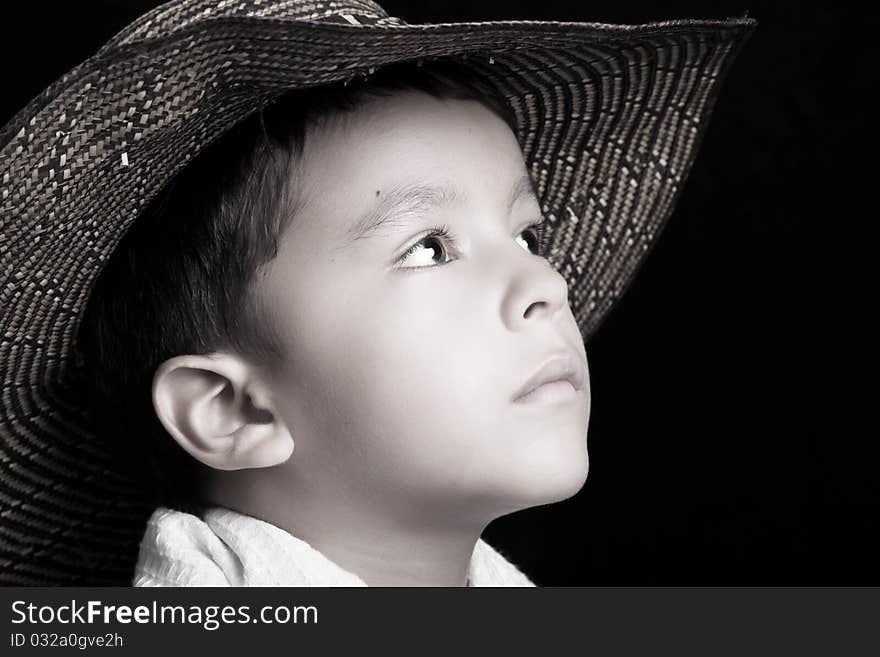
(228, 548)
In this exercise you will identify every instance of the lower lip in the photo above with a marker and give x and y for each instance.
(555, 391)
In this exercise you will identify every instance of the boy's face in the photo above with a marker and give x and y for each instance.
(398, 384)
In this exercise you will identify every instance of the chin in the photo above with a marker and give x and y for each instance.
(548, 477)
(565, 483)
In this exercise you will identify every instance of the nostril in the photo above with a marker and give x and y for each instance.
(528, 313)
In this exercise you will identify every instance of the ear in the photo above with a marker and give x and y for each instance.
(217, 408)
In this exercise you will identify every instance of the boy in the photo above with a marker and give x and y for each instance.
(338, 334)
(348, 435)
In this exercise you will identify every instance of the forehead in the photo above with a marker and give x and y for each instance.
(370, 172)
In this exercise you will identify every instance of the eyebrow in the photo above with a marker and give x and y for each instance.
(405, 204)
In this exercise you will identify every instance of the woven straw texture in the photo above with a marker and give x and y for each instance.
(609, 119)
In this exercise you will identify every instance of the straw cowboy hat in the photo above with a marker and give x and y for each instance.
(609, 118)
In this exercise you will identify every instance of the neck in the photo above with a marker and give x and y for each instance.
(406, 549)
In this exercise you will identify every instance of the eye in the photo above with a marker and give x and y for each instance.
(425, 252)
(535, 241)
(434, 249)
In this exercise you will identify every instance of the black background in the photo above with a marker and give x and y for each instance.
(712, 460)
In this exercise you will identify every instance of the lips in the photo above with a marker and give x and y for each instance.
(565, 366)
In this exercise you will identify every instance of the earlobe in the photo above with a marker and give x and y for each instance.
(218, 410)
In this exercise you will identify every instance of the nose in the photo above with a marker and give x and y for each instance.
(536, 291)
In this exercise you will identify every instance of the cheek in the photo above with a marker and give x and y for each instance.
(417, 381)
(412, 347)
(420, 369)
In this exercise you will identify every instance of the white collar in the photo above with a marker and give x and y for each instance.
(228, 548)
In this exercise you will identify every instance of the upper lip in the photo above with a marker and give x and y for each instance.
(564, 366)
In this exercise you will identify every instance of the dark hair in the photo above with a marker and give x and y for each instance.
(178, 282)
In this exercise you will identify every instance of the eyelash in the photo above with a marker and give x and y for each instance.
(446, 234)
